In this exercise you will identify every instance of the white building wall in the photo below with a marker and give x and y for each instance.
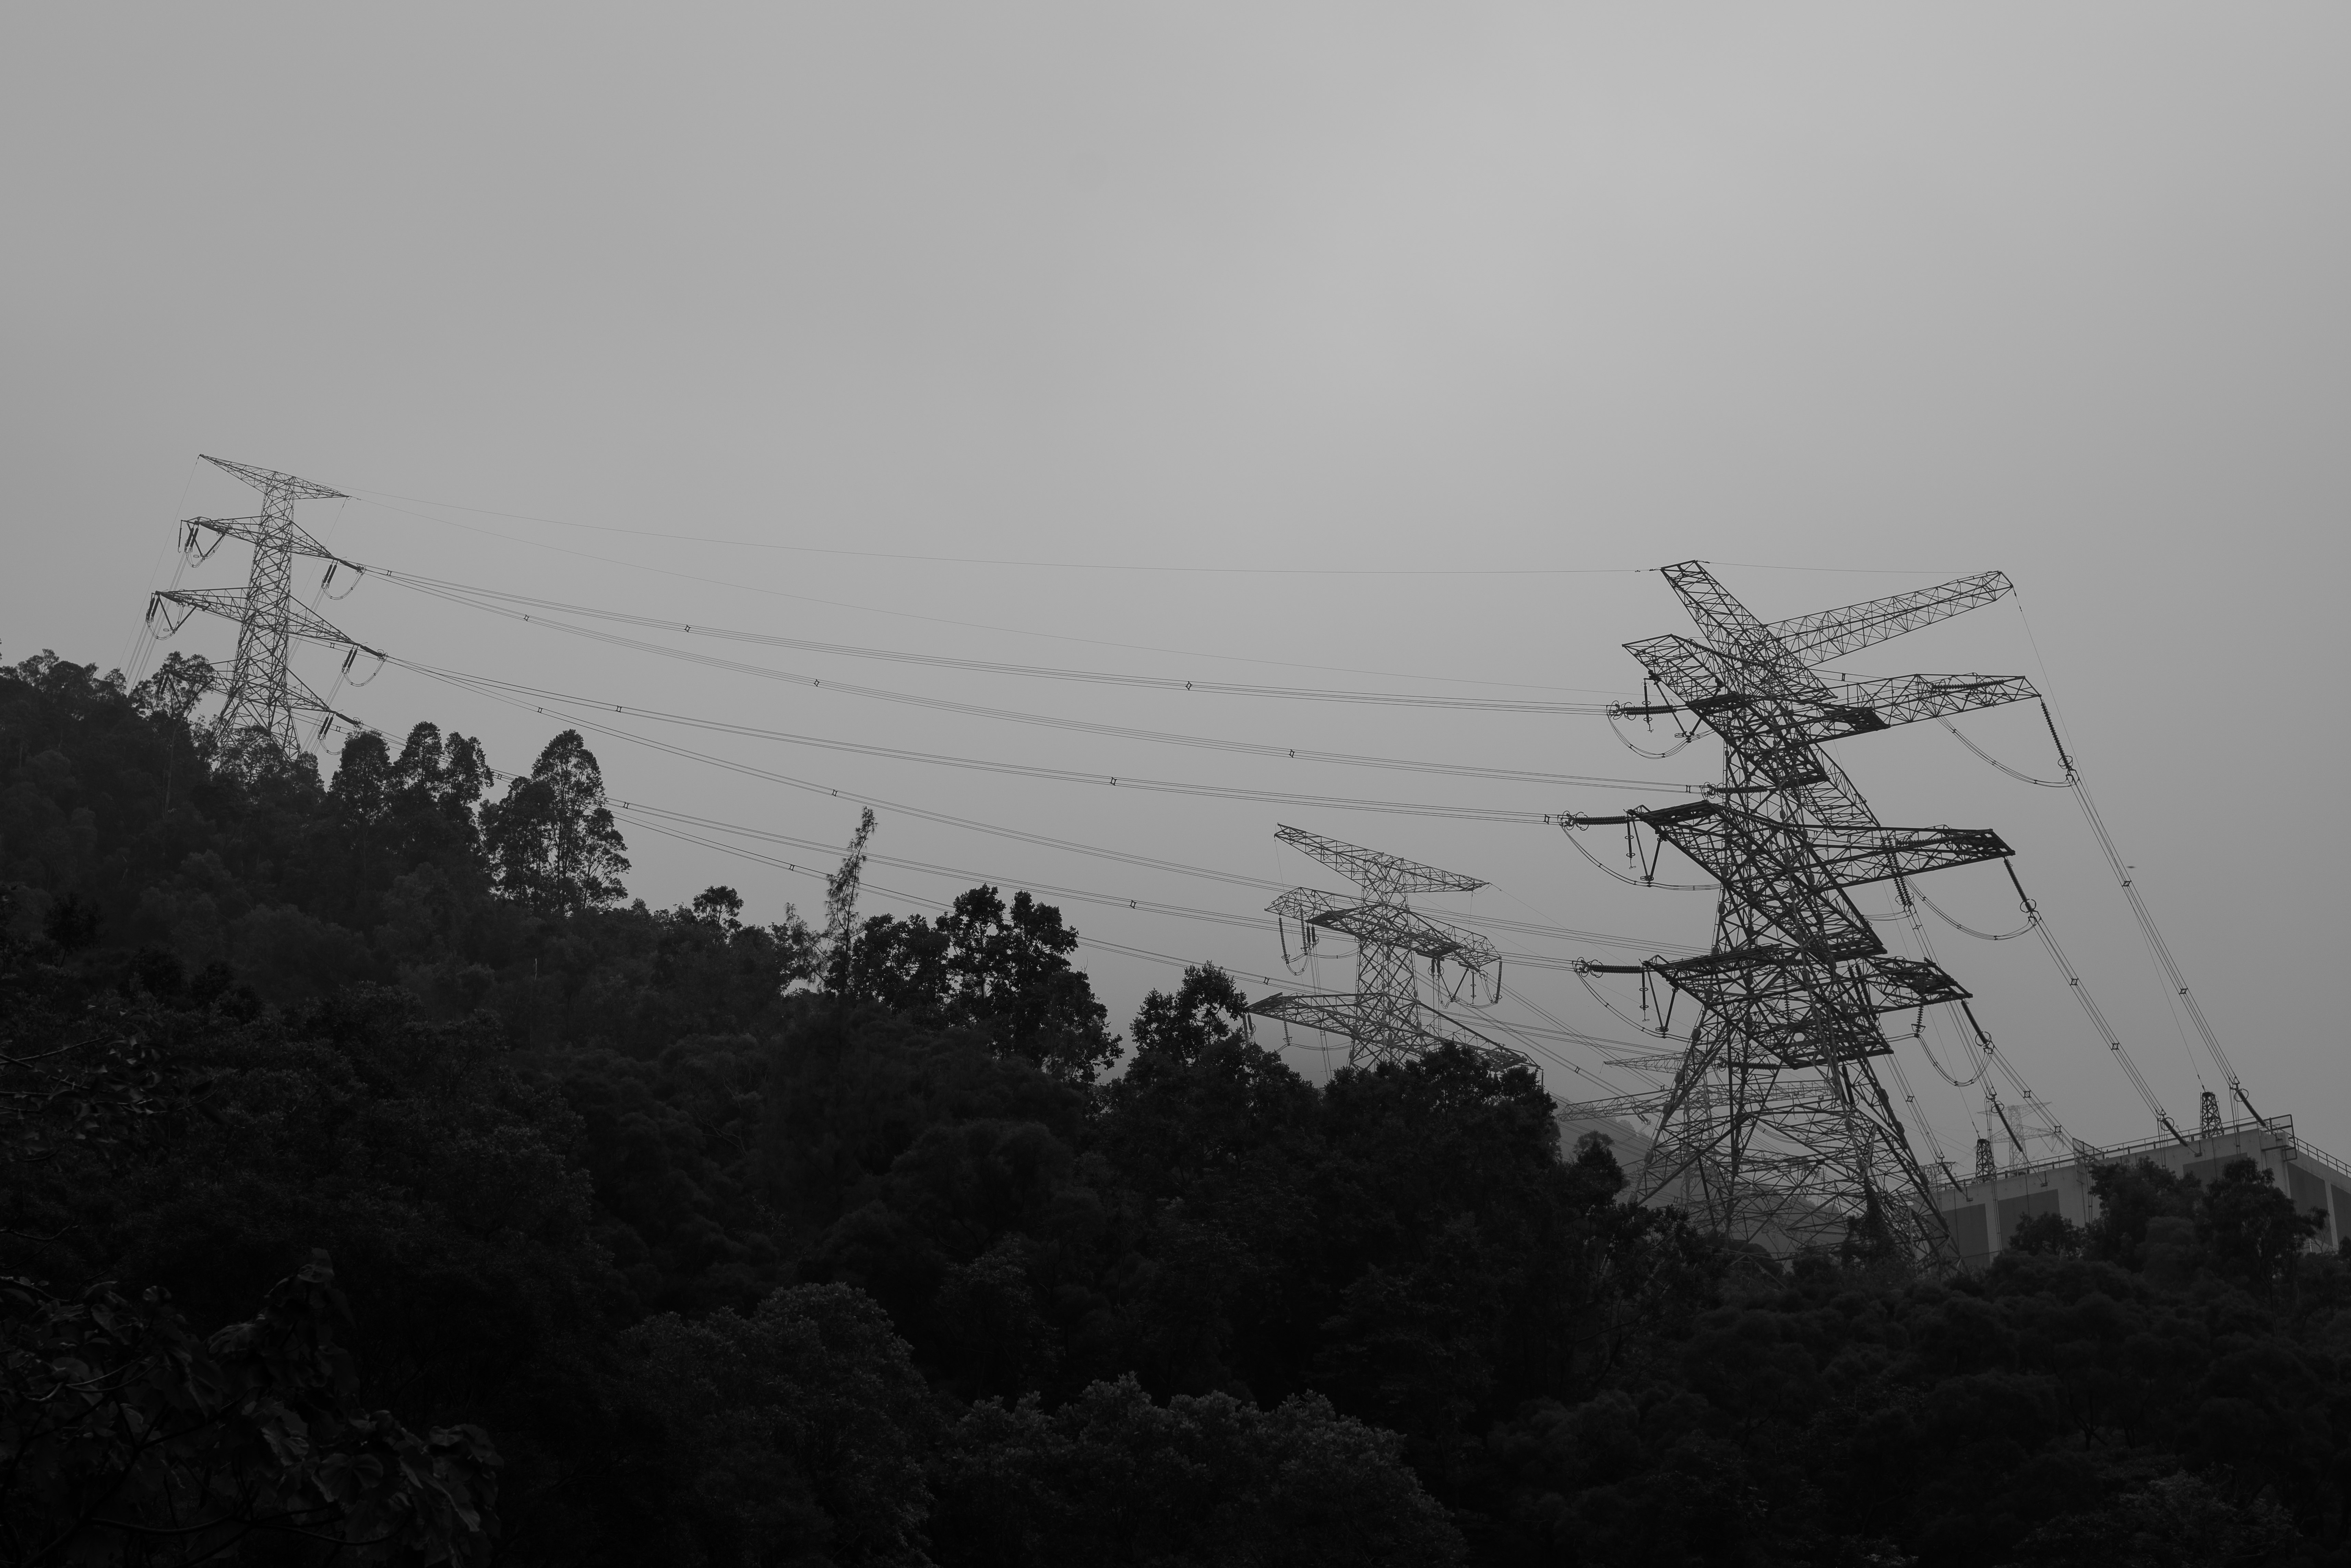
(1983, 1213)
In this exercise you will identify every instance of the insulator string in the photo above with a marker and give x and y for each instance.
(1570, 831)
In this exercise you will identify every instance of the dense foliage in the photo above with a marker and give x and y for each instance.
(580, 1233)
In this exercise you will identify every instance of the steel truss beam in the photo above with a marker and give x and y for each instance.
(1793, 877)
(1390, 924)
(264, 696)
(1376, 870)
(1379, 1031)
(1776, 1126)
(1384, 1018)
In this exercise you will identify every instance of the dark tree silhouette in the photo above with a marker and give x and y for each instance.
(129, 1438)
(893, 1272)
(1001, 969)
(1206, 1010)
(551, 837)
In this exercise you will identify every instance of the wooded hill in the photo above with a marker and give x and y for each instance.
(381, 1186)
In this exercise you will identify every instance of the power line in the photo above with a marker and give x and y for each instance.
(475, 598)
(1043, 841)
(483, 685)
(635, 809)
(669, 537)
(1530, 1034)
(656, 819)
(948, 621)
(1092, 726)
(2181, 998)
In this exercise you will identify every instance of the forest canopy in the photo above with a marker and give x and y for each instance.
(384, 1184)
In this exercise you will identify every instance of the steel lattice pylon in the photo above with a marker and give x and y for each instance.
(1775, 1123)
(263, 696)
(1383, 1016)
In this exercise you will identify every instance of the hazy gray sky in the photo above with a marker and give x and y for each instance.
(1275, 290)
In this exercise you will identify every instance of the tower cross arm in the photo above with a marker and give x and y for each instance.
(1388, 925)
(1801, 709)
(1830, 633)
(274, 532)
(1307, 903)
(301, 698)
(1802, 1010)
(1728, 624)
(1906, 699)
(1383, 1034)
(235, 605)
(1701, 676)
(1739, 847)
(1649, 1102)
(1642, 1102)
(1852, 856)
(1884, 983)
(1332, 1013)
(270, 482)
(1376, 869)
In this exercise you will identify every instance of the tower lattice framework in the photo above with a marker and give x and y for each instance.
(1383, 1017)
(1776, 1125)
(263, 696)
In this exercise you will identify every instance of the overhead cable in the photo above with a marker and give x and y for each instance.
(542, 695)
(1569, 830)
(669, 537)
(946, 818)
(2181, 997)
(2091, 1010)
(658, 819)
(2017, 774)
(498, 603)
(639, 567)
(1088, 726)
(1113, 900)
(1945, 918)
(1528, 1034)
(2158, 948)
(1978, 1040)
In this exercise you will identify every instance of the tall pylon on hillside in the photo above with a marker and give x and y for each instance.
(1383, 1016)
(264, 696)
(1775, 1126)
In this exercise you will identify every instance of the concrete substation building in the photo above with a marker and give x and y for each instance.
(1983, 1213)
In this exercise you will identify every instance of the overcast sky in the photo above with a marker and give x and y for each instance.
(1501, 304)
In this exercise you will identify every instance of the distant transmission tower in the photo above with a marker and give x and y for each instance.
(1384, 1016)
(1776, 1121)
(264, 696)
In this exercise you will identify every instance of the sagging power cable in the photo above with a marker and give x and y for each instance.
(2090, 1008)
(1570, 830)
(676, 823)
(1050, 721)
(1976, 1040)
(2017, 774)
(540, 697)
(495, 602)
(641, 568)
(1939, 914)
(1529, 1035)
(638, 814)
(2183, 998)
(973, 825)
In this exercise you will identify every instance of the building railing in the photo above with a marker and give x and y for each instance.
(2279, 1128)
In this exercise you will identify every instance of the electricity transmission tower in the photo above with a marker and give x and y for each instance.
(264, 696)
(1384, 1016)
(1775, 1121)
